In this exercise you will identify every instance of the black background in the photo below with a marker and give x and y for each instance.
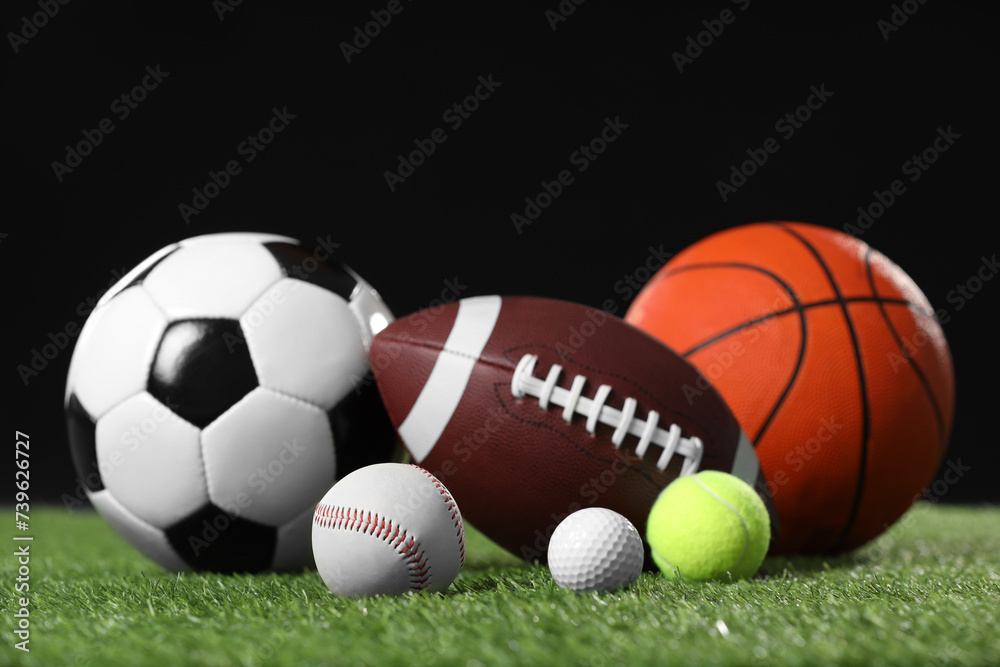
(450, 222)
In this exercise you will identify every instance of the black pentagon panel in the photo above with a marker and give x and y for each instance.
(82, 431)
(362, 431)
(201, 368)
(213, 540)
(296, 262)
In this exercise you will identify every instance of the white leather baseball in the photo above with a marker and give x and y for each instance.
(388, 528)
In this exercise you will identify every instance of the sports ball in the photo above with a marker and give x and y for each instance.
(217, 391)
(709, 525)
(388, 529)
(595, 549)
(530, 409)
(832, 361)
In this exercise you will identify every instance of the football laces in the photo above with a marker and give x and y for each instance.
(597, 411)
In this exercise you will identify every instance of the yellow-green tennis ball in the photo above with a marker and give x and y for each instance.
(709, 525)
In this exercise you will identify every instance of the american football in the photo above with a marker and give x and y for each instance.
(531, 408)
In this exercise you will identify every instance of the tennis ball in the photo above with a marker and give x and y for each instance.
(709, 525)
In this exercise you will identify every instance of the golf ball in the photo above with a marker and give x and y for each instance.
(595, 549)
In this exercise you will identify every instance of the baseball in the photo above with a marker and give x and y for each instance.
(388, 528)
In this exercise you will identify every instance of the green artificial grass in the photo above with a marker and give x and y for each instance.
(926, 593)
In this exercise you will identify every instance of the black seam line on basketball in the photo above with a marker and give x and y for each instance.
(798, 309)
(939, 418)
(729, 265)
(773, 276)
(802, 325)
(802, 348)
(801, 310)
(787, 288)
(862, 383)
(664, 409)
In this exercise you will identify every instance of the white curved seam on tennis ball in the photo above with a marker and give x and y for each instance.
(746, 529)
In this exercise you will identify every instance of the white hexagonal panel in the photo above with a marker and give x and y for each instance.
(271, 455)
(124, 281)
(147, 539)
(305, 341)
(150, 460)
(114, 351)
(212, 279)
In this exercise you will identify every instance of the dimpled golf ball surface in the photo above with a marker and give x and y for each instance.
(595, 549)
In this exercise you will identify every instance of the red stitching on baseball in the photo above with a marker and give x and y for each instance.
(455, 514)
(346, 518)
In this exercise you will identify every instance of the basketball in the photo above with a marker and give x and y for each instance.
(831, 359)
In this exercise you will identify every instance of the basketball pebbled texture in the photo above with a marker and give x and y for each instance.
(830, 357)
(445, 375)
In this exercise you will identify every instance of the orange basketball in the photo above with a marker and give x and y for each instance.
(831, 359)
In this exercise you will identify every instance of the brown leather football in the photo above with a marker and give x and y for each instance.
(529, 409)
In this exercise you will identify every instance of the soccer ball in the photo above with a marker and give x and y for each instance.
(217, 391)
